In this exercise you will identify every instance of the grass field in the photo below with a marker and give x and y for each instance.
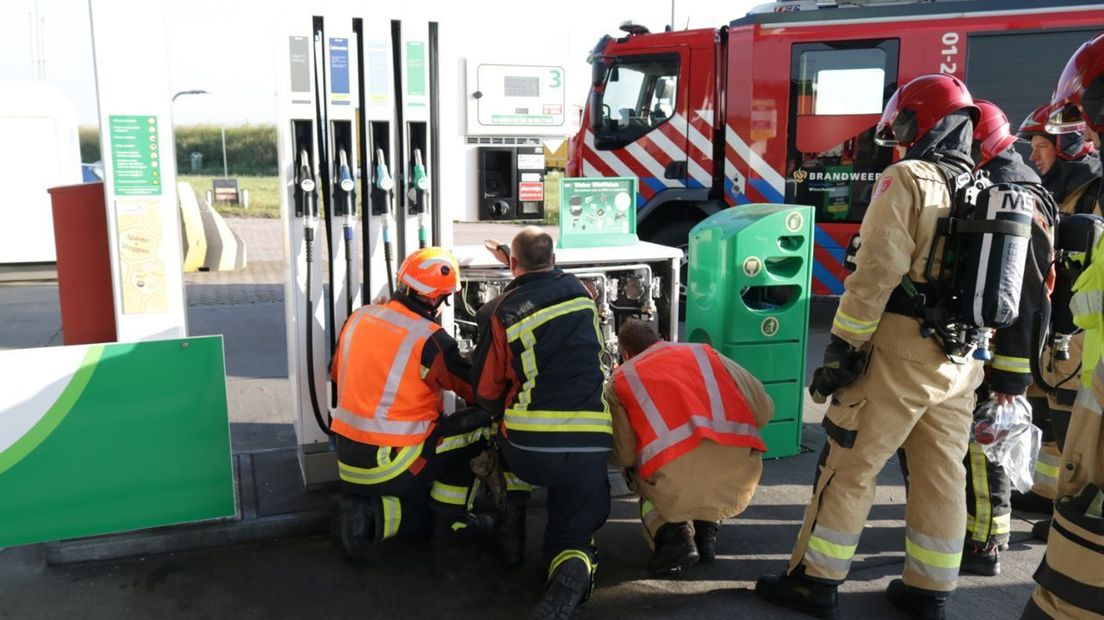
(264, 195)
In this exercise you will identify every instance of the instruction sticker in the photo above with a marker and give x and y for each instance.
(142, 268)
(378, 70)
(794, 222)
(135, 155)
(769, 326)
(531, 191)
(752, 265)
(415, 70)
(339, 70)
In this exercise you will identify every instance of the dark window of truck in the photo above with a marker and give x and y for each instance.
(641, 94)
(837, 93)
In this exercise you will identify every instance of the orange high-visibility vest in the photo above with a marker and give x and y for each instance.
(675, 396)
(381, 397)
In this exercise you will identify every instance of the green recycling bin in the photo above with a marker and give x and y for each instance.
(748, 293)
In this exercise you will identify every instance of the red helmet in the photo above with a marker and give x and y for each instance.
(992, 134)
(917, 106)
(1079, 97)
(1071, 146)
(431, 272)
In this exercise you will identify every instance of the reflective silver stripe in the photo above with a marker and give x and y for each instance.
(416, 285)
(640, 393)
(449, 493)
(1086, 399)
(716, 405)
(670, 438)
(936, 559)
(380, 425)
(415, 329)
(831, 550)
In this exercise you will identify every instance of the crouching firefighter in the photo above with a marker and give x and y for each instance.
(988, 488)
(939, 266)
(686, 424)
(1071, 582)
(404, 467)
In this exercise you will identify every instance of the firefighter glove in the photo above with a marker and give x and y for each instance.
(842, 366)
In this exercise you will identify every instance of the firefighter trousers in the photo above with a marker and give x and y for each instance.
(910, 396)
(405, 487)
(988, 500)
(1071, 578)
(1053, 413)
(578, 498)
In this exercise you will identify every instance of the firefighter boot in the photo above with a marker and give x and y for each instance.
(353, 525)
(915, 603)
(674, 549)
(459, 530)
(509, 534)
(799, 593)
(1041, 530)
(705, 537)
(981, 559)
(568, 587)
(1032, 502)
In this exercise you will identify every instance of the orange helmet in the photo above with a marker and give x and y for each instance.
(991, 134)
(431, 273)
(918, 105)
(1079, 98)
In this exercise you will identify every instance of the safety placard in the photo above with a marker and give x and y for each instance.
(107, 438)
(597, 212)
(141, 265)
(135, 155)
(529, 191)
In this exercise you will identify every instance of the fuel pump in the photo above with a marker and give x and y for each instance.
(307, 198)
(347, 200)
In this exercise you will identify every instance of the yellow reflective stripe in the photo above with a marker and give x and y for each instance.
(831, 549)
(462, 441)
(982, 501)
(566, 555)
(529, 367)
(376, 475)
(544, 315)
(559, 421)
(392, 516)
(1002, 524)
(1020, 365)
(937, 559)
(474, 493)
(513, 483)
(1047, 470)
(855, 326)
(449, 493)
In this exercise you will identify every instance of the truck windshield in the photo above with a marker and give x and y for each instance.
(640, 95)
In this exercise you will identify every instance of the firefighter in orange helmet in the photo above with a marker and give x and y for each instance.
(891, 386)
(1071, 582)
(404, 467)
(686, 426)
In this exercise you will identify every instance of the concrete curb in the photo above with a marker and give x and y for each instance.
(194, 236)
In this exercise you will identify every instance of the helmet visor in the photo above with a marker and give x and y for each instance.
(1065, 119)
(884, 136)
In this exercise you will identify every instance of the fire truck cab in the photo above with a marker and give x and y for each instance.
(780, 105)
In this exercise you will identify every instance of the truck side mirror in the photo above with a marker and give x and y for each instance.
(595, 106)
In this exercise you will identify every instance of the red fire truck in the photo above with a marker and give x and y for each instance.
(780, 105)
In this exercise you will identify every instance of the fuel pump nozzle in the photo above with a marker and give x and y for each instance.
(418, 188)
(346, 186)
(385, 183)
(304, 189)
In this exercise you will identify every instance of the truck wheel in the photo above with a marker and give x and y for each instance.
(677, 235)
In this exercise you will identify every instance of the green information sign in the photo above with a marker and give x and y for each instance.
(135, 155)
(112, 437)
(415, 70)
(597, 212)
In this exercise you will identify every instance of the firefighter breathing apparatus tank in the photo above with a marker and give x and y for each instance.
(975, 268)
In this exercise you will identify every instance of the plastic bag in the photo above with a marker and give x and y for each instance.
(1009, 439)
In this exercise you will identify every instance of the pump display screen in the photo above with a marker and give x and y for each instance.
(508, 97)
(518, 86)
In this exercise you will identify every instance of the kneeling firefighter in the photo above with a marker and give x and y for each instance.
(988, 488)
(1071, 582)
(404, 467)
(899, 367)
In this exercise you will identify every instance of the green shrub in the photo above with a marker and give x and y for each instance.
(250, 149)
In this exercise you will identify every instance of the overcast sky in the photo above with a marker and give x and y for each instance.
(226, 46)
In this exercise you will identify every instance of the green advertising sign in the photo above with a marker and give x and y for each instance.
(597, 212)
(135, 155)
(112, 437)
